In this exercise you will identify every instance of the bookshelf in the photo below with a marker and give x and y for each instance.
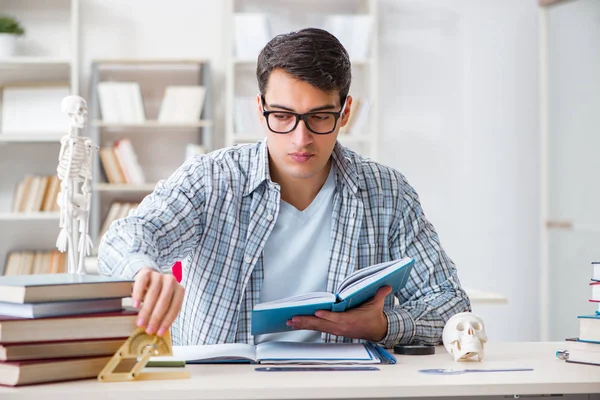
(159, 145)
(48, 53)
(281, 16)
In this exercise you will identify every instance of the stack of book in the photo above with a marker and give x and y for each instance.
(585, 349)
(57, 327)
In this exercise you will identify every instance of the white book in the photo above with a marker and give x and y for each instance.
(121, 102)
(34, 109)
(182, 104)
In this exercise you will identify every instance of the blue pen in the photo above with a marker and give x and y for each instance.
(313, 369)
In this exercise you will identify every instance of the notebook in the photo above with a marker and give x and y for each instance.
(280, 353)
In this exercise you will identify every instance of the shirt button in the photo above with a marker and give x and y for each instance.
(248, 260)
(347, 259)
(269, 217)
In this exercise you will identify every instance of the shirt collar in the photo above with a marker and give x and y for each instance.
(345, 166)
(259, 167)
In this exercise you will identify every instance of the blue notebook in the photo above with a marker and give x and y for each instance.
(357, 288)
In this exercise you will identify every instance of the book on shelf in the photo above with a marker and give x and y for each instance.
(182, 104)
(121, 102)
(120, 163)
(30, 108)
(35, 262)
(22, 351)
(17, 373)
(111, 166)
(61, 287)
(36, 193)
(128, 162)
(358, 287)
(280, 353)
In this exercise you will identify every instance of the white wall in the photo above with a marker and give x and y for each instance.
(458, 101)
(574, 139)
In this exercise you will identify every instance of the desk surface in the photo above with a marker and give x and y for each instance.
(550, 376)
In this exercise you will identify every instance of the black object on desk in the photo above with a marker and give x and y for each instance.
(414, 349)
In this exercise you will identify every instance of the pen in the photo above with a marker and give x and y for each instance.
(312, 369)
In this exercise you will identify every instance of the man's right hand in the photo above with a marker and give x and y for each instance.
(160, 297)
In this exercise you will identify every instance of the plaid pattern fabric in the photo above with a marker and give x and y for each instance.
(215, 214)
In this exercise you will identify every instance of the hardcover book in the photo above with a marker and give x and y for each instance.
(58, 287)
(357, 288)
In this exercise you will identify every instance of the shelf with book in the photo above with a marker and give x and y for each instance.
(146, 117)
(33, 82)
(251, 23)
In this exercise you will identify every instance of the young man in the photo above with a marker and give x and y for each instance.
(296, 213)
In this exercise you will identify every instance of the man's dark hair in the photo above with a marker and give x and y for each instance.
(311, 55)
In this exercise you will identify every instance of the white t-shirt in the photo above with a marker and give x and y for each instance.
(296, 256)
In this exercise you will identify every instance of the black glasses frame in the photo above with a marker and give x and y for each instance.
(304, 117)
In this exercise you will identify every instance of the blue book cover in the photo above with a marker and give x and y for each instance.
(357, 288)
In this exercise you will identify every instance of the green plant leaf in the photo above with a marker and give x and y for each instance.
(10, 25)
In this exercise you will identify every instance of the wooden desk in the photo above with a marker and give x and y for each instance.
(550, 376)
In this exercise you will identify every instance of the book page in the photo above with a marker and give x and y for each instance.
(303, 299)
(314, 353)
(362, 273)
(211, 352)
(366, 276)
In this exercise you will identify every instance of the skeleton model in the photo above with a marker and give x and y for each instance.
(464, 336)
(75, 172)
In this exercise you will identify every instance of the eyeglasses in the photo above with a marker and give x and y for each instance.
(319, 122)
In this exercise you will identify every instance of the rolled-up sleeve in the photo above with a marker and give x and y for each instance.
(164, 227)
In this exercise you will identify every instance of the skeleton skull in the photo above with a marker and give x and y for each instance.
(464, 336)
(76, 108)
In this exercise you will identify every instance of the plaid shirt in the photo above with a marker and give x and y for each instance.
(215, 214)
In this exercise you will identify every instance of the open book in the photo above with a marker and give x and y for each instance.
(357, 288)
(280, 353)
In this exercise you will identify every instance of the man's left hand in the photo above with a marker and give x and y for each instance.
(366, 321)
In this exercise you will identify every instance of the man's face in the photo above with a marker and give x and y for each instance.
(300, 154)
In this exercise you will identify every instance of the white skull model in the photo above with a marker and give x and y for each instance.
(76, 108)
(464, 336)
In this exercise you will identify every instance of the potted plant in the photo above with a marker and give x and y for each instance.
(10, 28)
